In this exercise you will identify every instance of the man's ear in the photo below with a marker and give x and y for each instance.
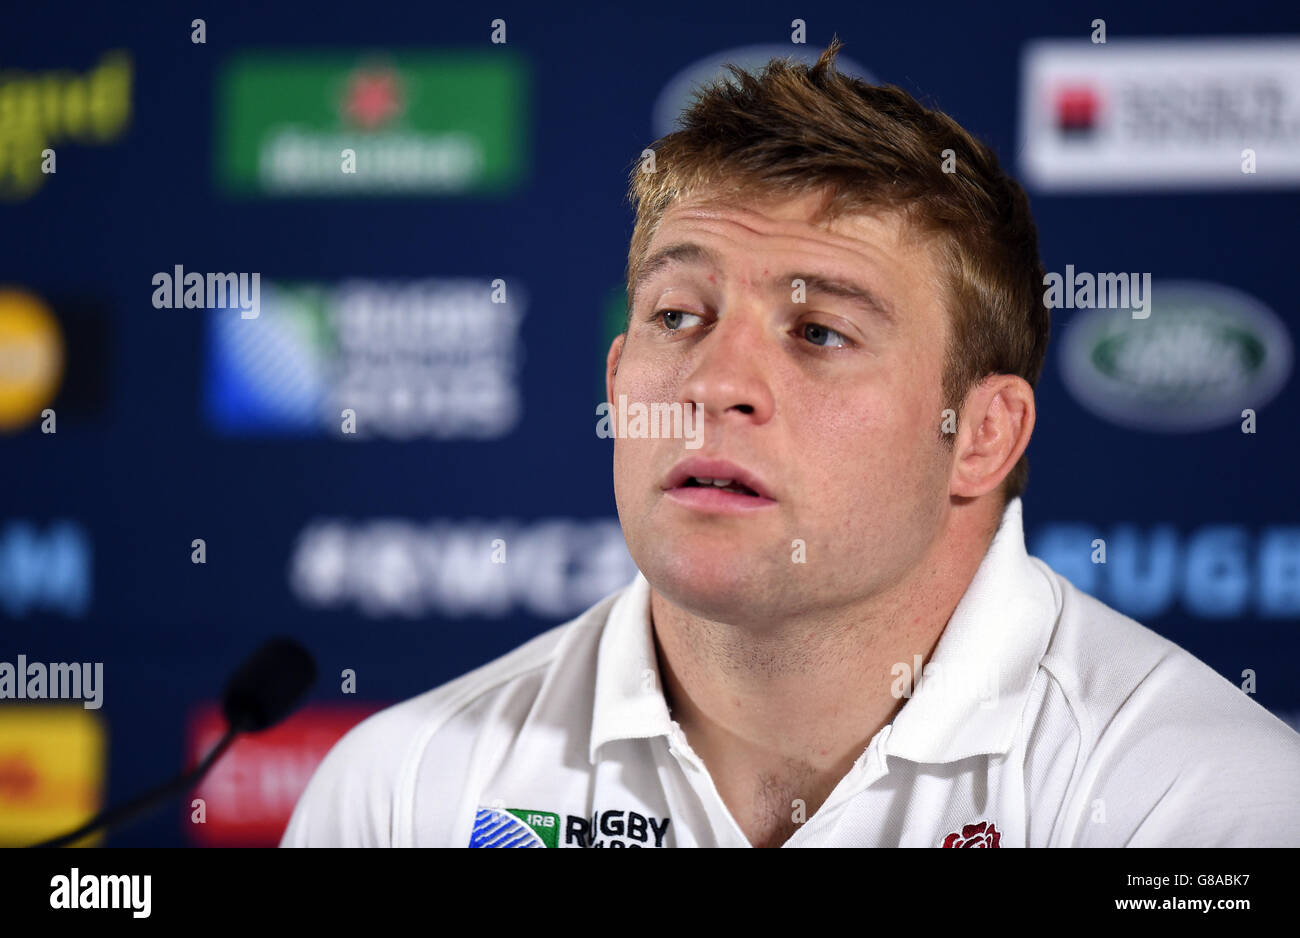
(996, 422)
(611, 364)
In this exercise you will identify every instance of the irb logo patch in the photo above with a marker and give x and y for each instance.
(514, 827)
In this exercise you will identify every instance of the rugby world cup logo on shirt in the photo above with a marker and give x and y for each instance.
(498, 826)
(511, 827)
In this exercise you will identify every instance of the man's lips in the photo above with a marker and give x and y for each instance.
(717, 501)
(745, 490)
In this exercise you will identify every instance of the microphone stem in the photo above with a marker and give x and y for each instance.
(141, 803)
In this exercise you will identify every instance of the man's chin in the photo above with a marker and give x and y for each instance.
(715, 584)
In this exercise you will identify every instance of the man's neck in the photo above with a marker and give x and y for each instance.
(779, 717)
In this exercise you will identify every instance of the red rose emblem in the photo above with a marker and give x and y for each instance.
(983, 834)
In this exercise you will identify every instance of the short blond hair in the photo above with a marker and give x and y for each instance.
(795, 128)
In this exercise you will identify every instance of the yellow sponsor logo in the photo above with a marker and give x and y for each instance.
(31, 358)
(51, 771)
(39, 111)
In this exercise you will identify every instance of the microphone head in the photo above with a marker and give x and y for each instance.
(269, 685)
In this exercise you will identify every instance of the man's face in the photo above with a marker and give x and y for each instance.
(833, 404)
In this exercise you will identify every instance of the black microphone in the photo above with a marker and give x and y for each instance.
(267, 687)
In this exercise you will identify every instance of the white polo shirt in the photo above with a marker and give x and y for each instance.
(1044, 718)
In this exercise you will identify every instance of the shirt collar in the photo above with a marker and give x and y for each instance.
(629, 702)
(975, 686)
(970, 694)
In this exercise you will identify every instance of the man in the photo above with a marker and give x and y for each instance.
(836, 636)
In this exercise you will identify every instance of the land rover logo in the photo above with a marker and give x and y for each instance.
(1206, 353)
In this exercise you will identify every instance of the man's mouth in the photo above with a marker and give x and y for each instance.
(717, 486)
(726, 485)
(720, 475)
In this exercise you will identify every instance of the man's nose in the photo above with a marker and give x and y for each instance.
(730, 374)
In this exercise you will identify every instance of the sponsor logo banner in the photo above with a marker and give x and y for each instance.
(250, 794)
(54, 361)
(45, 568)
(557, 567)
(1217, 571)
(1203, 355)
(41, 112)
(51, 771)
(1148, 114)
(430, 358)
(336, 125)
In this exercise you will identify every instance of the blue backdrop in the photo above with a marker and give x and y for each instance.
(481, 161)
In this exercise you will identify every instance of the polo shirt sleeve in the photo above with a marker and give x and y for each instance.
(1247, 797)
(350, 799)
(369, 788)
(1190, 760)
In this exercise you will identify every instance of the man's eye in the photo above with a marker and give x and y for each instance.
(672, 318)
(820, 335)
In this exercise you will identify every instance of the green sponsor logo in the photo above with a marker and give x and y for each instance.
(311, 125)
(1205, 354)
(544, 824)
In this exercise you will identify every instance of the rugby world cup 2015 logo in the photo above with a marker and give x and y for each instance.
(512, 827)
